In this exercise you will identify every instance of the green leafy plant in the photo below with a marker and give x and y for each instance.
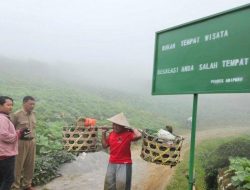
(241, 169)
(47, 166)
(219, 158)
(48, 138)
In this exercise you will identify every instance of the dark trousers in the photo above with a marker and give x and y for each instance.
(7, 173)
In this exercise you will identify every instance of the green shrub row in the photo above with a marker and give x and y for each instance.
(218, 157)
(241, 169)
(46, 167)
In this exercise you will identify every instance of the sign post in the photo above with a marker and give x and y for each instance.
(210, 55)
(192, 145)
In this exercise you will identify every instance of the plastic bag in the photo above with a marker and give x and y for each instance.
(165, 135)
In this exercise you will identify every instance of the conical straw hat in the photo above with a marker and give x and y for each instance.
(119, 119)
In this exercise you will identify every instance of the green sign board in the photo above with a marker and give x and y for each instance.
(210, 55)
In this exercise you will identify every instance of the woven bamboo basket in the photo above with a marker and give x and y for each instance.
(160, 151)
(79, 138)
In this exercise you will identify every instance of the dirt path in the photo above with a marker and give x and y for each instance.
(88, 171)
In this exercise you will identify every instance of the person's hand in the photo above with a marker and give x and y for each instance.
(134, 129)
(105, 129)
(24, 133)
(129, 129)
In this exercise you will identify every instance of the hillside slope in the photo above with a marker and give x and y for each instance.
(61, 91)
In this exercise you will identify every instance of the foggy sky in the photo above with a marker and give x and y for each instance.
(102, 38)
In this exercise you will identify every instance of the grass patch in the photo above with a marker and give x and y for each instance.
(180, 181)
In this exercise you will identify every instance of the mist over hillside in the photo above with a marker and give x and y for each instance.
(214, 110)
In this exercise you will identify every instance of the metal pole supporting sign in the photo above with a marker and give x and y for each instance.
(192, 145)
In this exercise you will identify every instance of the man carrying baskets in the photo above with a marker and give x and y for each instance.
(119, 171)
